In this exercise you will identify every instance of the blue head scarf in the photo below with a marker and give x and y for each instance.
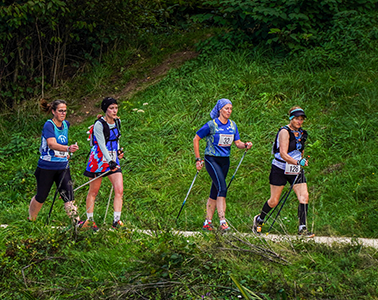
(221, 102)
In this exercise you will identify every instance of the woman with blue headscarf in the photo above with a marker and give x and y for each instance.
(220, 132)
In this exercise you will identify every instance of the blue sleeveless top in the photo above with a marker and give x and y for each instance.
(52, 159)
(219, 137)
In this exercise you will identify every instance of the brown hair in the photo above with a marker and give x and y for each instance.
(48, 107)
(294, 107)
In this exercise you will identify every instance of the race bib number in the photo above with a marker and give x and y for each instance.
(60, 154)
(292, 169)
(113, 156)
(225, 140)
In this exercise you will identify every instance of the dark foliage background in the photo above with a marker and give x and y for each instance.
(44, 41)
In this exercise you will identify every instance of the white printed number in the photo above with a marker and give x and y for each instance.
(292, 169)
(225, 140)
(60, 154)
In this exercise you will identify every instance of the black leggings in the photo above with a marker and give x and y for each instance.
(46, 178)
(217, 167)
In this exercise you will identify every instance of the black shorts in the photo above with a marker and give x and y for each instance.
(46, 178)
(277, 177)
(93, 174)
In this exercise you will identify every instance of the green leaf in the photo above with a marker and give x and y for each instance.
(239, 286)
(274, 30)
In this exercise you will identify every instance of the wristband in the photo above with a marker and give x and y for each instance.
(68, 149)
(198, 159)
(301, 162)
(112, 165)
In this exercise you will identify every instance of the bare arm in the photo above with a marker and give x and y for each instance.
(196, 151)
(53, 145)
(196, 146)
(242, 145)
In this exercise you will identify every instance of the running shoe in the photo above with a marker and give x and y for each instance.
(117, 224)
(87, 224)
(305, 233)
(208, 227)
(224, 227)
(257, 226)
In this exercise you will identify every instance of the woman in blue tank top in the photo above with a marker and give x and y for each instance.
(220, 133)
(53, 163)
(286, 167)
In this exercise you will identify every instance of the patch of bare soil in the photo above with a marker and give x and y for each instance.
(333, 168)
(156, 74)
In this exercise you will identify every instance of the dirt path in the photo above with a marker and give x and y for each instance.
(156, 74)
(329, 240)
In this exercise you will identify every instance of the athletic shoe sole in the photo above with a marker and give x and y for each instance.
(256, 228)
(308, 236)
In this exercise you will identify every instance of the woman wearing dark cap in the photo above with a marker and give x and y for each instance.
(288, 155)
(220, 132)
(53, 165)
(104, 158)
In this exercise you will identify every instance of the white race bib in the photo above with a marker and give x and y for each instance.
(60, 154)
(113, 156)
(225, 140)
(292, 169)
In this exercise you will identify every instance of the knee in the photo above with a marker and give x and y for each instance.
(222, 191)
(118, 191)
(273, 201)
(303, 198)
(92, 193)
(38, 201)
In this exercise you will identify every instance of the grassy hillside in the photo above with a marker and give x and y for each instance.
(341, 104)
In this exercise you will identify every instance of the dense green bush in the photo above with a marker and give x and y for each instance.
(334, 27)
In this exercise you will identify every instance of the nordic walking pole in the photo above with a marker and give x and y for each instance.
(279, 202)
(282, 197)
(283, 203)
(187, 195)
(107, 207)
(233, 176)
(88, 182)
(58, 187)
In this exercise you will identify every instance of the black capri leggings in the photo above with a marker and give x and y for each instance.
(46, 178)
(217, 167)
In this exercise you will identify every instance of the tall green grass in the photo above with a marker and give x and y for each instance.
(341, 105)
(341, 108)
